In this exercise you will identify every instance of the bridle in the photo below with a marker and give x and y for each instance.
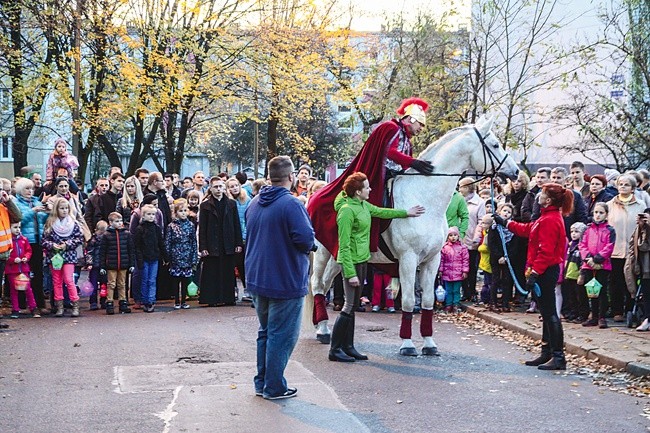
(488, 156)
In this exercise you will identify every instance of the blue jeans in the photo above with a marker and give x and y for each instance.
(452, 289)
(149, 273)
(277, 336)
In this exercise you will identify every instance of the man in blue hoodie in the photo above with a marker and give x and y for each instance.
(279, 239)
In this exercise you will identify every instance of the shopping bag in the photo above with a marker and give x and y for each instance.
(593, 288)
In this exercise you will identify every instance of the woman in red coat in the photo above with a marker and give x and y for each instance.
(546, 249)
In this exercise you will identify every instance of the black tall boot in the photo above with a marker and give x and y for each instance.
(544, 357)
(348, 342)
(557, 362)
(338, 337)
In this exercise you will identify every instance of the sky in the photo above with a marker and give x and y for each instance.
(370, 15)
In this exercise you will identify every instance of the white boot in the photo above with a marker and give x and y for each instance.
(644, 326)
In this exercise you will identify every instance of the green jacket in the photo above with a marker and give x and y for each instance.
(457, 213)
(353, 219)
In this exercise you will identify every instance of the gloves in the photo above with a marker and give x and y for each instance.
(424, 167)
(530, 281)
(499, 220)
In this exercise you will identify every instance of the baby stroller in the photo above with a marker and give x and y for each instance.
(637, 315)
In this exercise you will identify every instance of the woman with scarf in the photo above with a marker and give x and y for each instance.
(546, 250)
(62, 236)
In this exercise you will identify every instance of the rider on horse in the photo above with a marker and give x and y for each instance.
(387, 151)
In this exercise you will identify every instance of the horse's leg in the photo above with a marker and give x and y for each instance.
(428, 272)
(407, 267)
(320, 311)
(318, 290)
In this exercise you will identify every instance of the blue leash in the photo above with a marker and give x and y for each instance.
(536, 290)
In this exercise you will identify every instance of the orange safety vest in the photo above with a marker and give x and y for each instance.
(5, 230)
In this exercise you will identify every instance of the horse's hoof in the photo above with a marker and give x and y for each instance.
(324, 338)
(408, 351)
(430, 351)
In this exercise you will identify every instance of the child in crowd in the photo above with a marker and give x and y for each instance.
(150, 248)
(193, 201)
(62, 236)
(454, 266)
(596, 248)
(481, 239)
(60, 159)
(381, 291)
(17, 271)
(92, 264)
(116, 257)
(501, 277)
(577, 303)
(182, 249)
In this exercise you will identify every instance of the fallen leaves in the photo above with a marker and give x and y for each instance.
(602, 375)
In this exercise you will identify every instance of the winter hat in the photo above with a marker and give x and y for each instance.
(601, 178)
(453, 231)
(148, 199)
(581, 227)
(611, 174)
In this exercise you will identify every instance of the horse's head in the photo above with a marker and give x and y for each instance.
(489, 157)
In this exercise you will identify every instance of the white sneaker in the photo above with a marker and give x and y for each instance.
(645, 326)
(375, 308)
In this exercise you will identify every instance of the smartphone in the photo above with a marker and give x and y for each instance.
(641, 215)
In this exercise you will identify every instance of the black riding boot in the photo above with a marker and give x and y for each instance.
(544, 357)
(556, 337)
(348, 342)
(338, 338)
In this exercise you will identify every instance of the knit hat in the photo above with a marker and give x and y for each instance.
(601, 178)
(581, 227)
(453, 231)
(148, 199)
(611, 174)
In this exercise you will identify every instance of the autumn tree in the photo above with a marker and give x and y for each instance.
(610, 96)
(514, 53)
(26, 55)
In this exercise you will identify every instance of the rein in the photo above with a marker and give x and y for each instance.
(505, 250)
(488, 154)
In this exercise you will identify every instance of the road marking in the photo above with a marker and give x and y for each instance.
(168, 414)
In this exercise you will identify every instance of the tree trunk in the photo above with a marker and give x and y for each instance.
(271, 139)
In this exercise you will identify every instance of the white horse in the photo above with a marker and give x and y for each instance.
(418, 241)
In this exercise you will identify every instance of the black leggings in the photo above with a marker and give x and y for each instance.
(552, 332)
(599, 304)
(183, 282)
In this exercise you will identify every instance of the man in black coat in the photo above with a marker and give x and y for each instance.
(220, 238)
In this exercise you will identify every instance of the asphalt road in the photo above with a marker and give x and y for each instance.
(190, 370)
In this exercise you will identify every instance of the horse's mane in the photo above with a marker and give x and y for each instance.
(436, 146)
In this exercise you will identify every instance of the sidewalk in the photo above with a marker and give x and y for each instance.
(618, 346)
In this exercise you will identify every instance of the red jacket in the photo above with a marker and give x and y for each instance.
(547, 242)
(21, 248)
(598, 243)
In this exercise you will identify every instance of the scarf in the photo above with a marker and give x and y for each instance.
(64, 227)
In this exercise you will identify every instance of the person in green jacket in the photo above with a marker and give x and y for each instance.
(353, 218)
(457, 213)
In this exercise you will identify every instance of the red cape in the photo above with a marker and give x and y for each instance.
(369, 161)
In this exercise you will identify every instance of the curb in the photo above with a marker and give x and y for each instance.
(634, 368)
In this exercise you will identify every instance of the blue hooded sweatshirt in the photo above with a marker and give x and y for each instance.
(279, 239)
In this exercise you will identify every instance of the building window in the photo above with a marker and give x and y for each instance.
(6, 153)
(5, 99)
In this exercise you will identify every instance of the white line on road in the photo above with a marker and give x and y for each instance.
(168, 414)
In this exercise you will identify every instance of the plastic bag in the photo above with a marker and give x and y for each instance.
(57, 261)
